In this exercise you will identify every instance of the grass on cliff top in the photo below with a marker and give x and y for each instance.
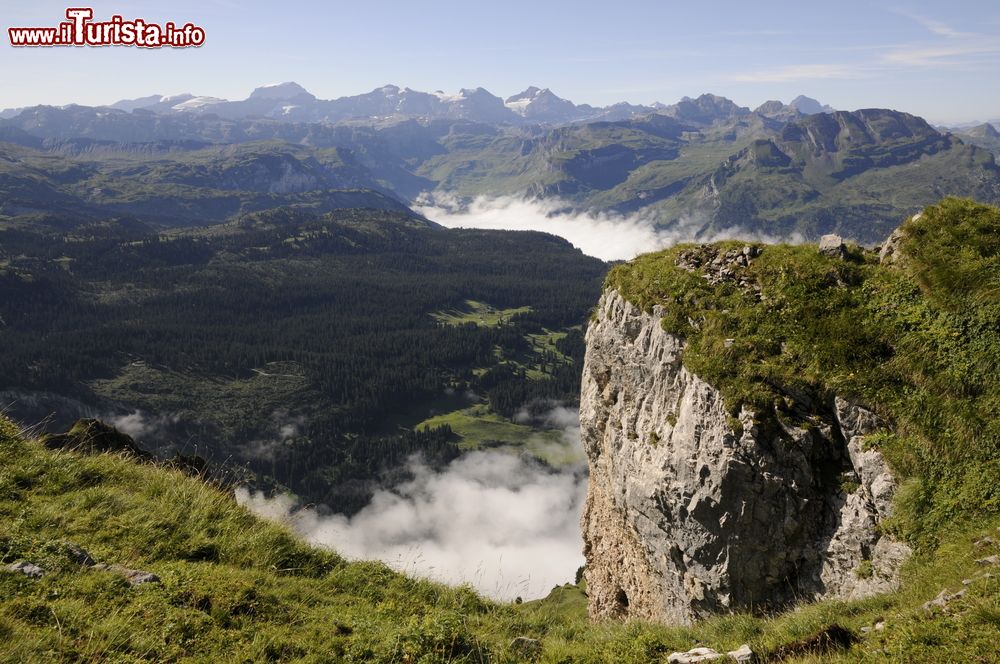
(235, 588)
(918, 341)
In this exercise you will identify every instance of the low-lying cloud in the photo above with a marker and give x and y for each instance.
(505, 524)
(140, 425)
(285, 428)
(604, 235)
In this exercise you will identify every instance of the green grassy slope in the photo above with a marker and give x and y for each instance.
(855, 173)
(175, 185)
(236, 589)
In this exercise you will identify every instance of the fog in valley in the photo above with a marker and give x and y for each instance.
(506, 524)
(605, 235)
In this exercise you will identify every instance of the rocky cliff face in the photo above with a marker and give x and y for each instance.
(692, 511)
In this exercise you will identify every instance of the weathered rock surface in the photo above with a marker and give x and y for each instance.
(832, 245)
(79, 555)
(135, 577)
(743, 655)
(27, 569)
(694, 655)
(890, 252)
(688, 517)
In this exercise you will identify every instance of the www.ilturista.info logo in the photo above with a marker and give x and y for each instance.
(81, 30)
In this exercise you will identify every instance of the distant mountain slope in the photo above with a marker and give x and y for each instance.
(706, 162)
(850, 173)
(809, 106)
(855, 173)
(179, 183)
(985, 136)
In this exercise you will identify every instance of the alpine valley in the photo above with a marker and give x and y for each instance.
(219, 314)
(782, 169)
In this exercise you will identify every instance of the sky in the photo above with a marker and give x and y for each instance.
(937, 60)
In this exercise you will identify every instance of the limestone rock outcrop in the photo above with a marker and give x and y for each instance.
(694, 511)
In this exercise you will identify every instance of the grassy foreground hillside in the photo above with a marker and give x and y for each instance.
(234, 588)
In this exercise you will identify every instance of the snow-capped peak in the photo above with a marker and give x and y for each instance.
(534, 100)
(447, 98)
(528, 95)
(196, 103)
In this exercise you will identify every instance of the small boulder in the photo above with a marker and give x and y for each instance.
(694, 655)
(135, 577)
(890, 252)
(833, 246)
(138, 577)
(942, 600)
(989, 560)
(742, 655)
(79, 555)
(878, 627)
(27, 569)
(525, 648)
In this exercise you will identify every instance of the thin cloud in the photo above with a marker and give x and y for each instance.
(945, 55)
(140, 425)
(606, 236)
(634, 56)
(799, 73)
(756, 33)
(947, 48)
(933, 25)
(953, 48)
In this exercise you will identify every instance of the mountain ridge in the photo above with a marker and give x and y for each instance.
(289, 101)
(705, 161)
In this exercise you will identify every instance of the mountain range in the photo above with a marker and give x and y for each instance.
(705, 165)
(290, 102)
(984, 135)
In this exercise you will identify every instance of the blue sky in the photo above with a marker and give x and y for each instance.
(938, 60)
